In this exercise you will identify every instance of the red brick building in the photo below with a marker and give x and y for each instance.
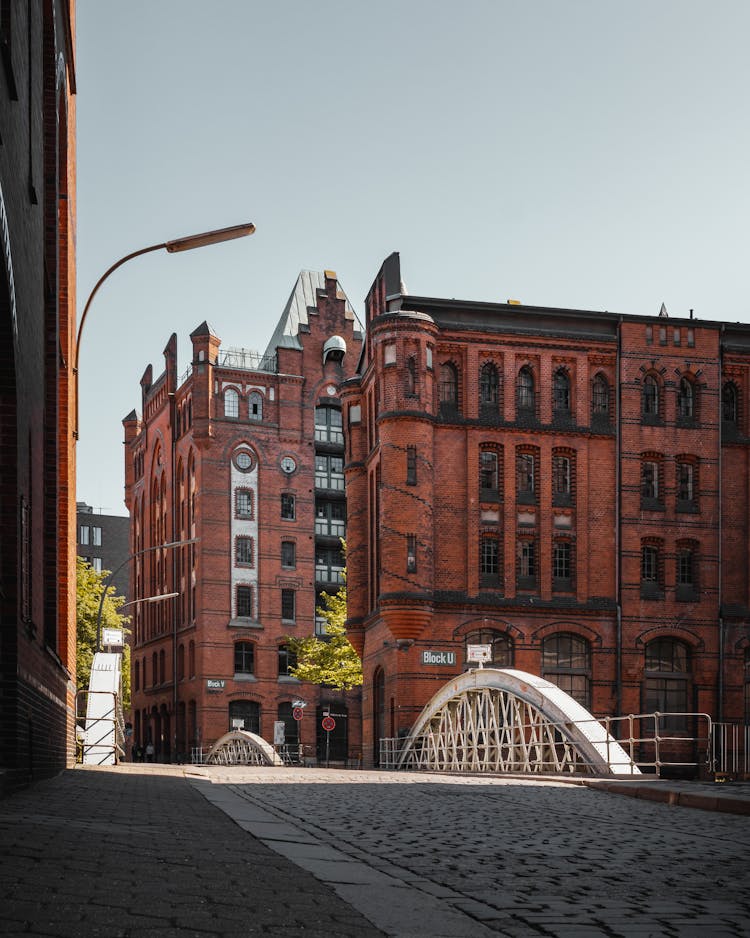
(37, 345)
(244, 454)
(568, 486)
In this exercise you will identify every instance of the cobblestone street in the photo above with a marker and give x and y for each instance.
(433, 855)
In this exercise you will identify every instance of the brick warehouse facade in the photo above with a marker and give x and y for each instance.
(244, 454)
(37, 341)
(570, 487)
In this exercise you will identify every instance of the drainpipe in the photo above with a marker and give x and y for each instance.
(618, 537)
(175, 558)
(720, 681)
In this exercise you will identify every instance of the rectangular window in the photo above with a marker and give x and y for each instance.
(389, 353)
(411, 465)
(329, 472)
(288, 605)
(649, 480)
(83, 534)
(244, 658)
(488, 472)
(691, 338)
(662, 335)
(330, 518)
(96, 563)
(685, 483)
(244, 551)
(328, 425)
(288, 555)
(243, 503)
(489, 557)
(411, 553)
(561, 566)
(526, 560)
(96, 537)
(525, 476)
(675, 336)
(561, 477)
(245, 602)
(649, 335)
(287, 506)
(329, 566)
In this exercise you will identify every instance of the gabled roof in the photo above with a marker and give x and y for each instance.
(303, 297)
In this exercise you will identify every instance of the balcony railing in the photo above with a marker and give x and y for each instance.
(247, 360)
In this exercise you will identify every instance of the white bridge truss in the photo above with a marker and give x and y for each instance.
(502, 720)
(242, 748)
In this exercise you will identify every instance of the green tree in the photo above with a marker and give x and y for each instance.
(331, 661)
(89, 588)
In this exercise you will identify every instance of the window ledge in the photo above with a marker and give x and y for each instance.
(244, 622)
(243, 678)
(288, 679)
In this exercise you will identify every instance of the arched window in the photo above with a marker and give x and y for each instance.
(137, 676)
(154, 669)
(747, 687)
(525, 397)
(686, 399)
(244, 715)
(600, 398)
(500, 644)
(244, 658)
(448, 388)
(162, 667)
(231, 403)
(489, 388)
(561, 394)
(255, 406)
(729, 403)
(667, 682)
(566, 661)
(180, 662)
(652, 569)
(191, 659)
(650, 397)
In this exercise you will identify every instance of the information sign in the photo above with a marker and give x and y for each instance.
(479, 653)
(444, 658)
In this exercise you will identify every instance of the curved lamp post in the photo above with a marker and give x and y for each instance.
(171, 247)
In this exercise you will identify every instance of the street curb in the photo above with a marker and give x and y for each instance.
(723, 802)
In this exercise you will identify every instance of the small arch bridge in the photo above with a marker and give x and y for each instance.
(505, 721)
(242, 748)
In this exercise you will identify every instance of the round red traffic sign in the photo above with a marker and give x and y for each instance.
(297, 713)
(328, 723)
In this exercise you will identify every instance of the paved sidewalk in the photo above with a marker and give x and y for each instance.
(137, 852)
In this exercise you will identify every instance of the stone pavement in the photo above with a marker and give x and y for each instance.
(439, 856)
(150, 850)
(136, 852)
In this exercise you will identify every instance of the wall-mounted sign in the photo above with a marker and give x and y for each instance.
(445, 658)
(479, 652)
(215, 685)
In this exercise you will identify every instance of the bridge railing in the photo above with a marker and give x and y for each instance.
(654, 743)
(100, 728)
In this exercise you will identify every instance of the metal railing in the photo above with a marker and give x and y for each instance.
(651, 744)
(247, 360)
(102, 737)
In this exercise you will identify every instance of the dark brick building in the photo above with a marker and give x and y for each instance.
(104, 542)
(37, 339)
(244, 453)
(570, 487)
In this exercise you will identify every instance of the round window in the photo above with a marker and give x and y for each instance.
(243, 460)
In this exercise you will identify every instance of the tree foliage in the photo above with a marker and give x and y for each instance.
(331, 660)
(89, 588)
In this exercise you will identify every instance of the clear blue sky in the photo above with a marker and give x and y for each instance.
(576, 153)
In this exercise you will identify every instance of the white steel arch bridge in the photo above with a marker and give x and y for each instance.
(502, 720)
(242, 748)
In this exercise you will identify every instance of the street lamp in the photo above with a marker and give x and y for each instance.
(175, 246)
(108, 582)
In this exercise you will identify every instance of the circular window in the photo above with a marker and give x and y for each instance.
(243, 460)
(288, 465)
